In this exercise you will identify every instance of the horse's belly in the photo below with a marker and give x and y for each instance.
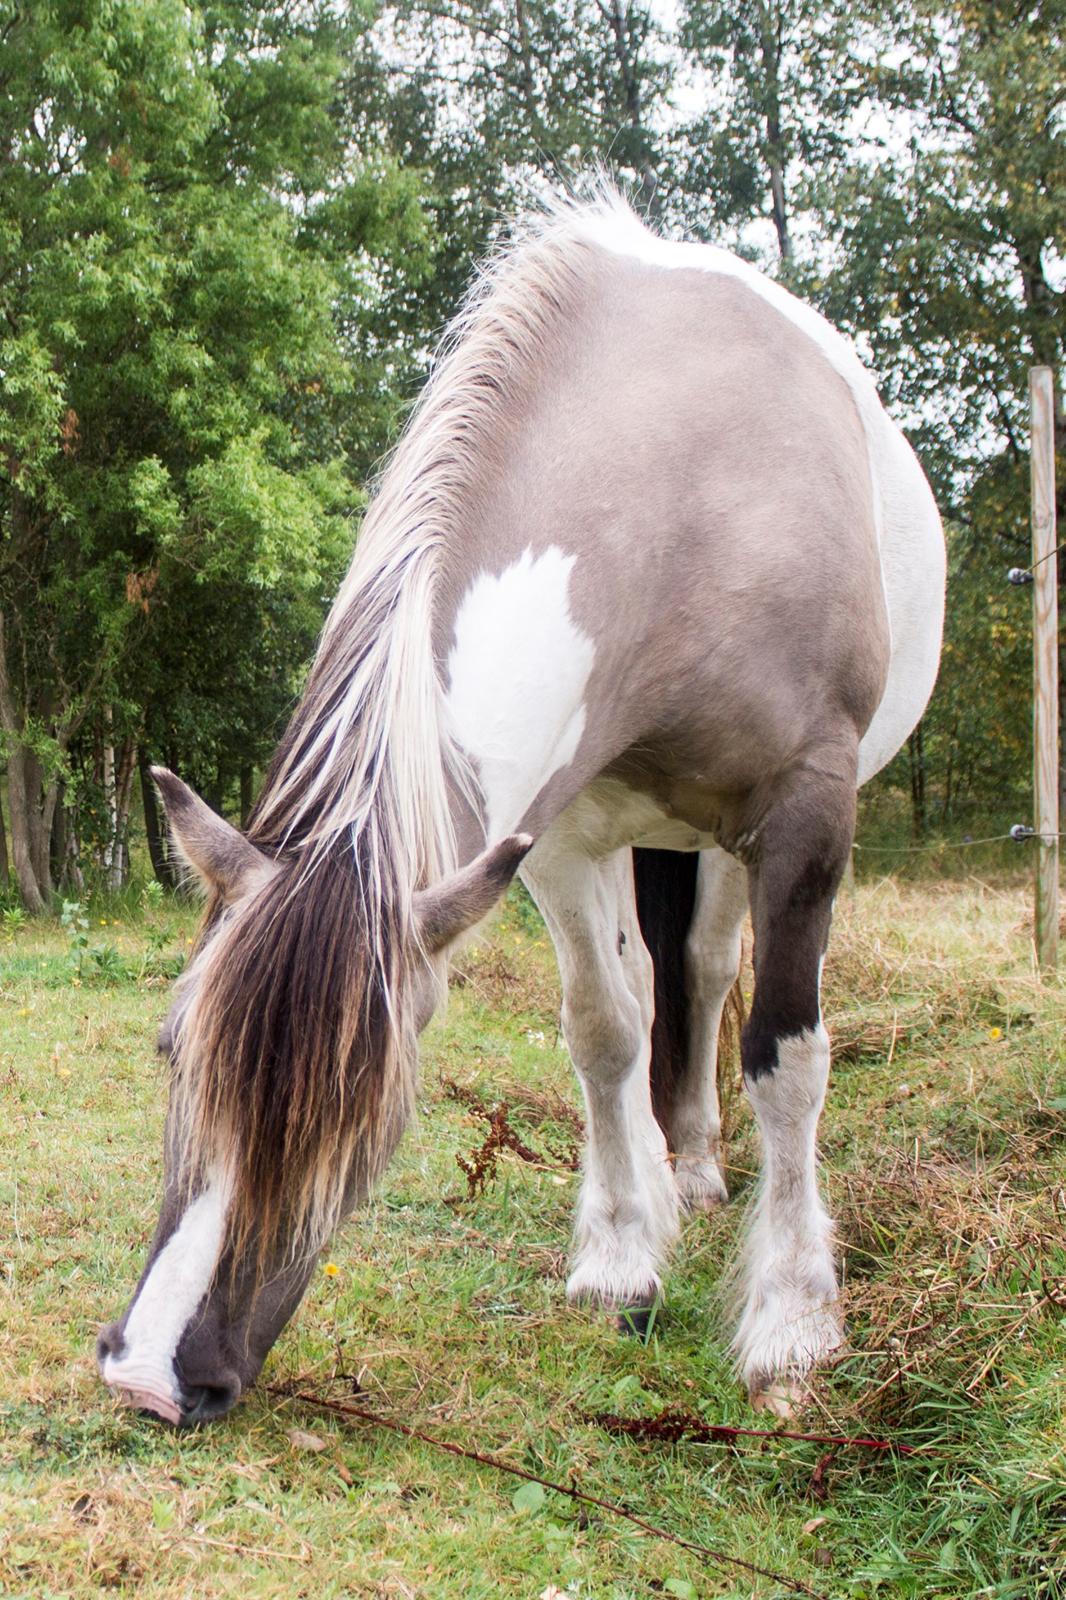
(609, 814)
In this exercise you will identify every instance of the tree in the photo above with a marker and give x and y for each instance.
(781, 80)
(943, 250)
(944, 236)
(188, 257)
(485, 98)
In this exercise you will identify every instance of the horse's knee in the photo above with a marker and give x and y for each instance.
(604, 1034)
(710, 976)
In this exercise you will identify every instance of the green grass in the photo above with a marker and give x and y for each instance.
(945, 1163)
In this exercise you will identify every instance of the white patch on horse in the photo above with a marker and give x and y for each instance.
(517, 677)
(912, 566)
(177, 1282)
(905, 515)
(790, 1319)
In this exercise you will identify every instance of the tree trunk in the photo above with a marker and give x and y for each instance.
(948, 806)
(21, 849)
(770, 37)
(58, 839)
(107, 774)
(528, 86)
(4, 867)
(49, 800)
(916, 751)
(66, 852)
(18, 792)
(120, 855)
(779, 205)
(648, 192)
(38, 820)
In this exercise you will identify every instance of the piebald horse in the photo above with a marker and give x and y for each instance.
(649, 586)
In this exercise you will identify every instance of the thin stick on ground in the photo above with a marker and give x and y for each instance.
(673, 1426)
(369, 1418)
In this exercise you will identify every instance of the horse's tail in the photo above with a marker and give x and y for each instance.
(665, 883)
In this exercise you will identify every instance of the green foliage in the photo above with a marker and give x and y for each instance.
(152, 895)
(946, 238)
(780, 92)
(106, 964)
(76, 925)
(183, 297)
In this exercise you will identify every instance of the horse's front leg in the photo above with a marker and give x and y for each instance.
(627, 1214)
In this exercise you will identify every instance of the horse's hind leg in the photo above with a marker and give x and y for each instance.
(790, 1319)
(712, 962)
(627, 1214)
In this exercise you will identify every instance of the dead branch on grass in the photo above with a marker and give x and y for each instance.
(671, 1427)
(481, 1167)
(706, 1552)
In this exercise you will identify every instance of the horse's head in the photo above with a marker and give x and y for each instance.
(292, 1046)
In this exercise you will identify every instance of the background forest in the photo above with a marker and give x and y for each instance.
(231, 232)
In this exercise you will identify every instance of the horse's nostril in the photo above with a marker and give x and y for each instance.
(202, 1401)
(109, 1342)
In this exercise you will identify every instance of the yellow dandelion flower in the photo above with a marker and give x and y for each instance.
(23, 1011)
(331, 1269)
(103, 922)
(995, 1033)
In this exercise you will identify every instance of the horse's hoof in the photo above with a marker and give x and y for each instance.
(782, 1399)
(700, 1186)
(638, 1321)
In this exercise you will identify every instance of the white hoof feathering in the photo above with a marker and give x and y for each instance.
(781, 1354)
(700, 1185)
(619, 1251)
(790, 1321)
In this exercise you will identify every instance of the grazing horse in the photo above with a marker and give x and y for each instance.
(650, 584)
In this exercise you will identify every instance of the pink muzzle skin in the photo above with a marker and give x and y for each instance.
(148, 1400)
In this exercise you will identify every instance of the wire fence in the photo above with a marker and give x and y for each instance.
(1020, 833)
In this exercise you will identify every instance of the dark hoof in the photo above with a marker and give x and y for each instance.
(638, 1322)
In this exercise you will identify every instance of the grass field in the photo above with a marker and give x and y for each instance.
(945, 1162)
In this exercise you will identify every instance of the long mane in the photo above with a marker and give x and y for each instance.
(294, 1054)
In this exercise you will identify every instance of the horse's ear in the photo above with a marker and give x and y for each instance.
(220, 855)
(449, 909)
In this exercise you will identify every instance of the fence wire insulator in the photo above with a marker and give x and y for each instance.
(1019, 576)
(1020, 831)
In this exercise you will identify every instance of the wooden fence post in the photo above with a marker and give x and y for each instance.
(1045, 664)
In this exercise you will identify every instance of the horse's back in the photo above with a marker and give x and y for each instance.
(710, 471)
